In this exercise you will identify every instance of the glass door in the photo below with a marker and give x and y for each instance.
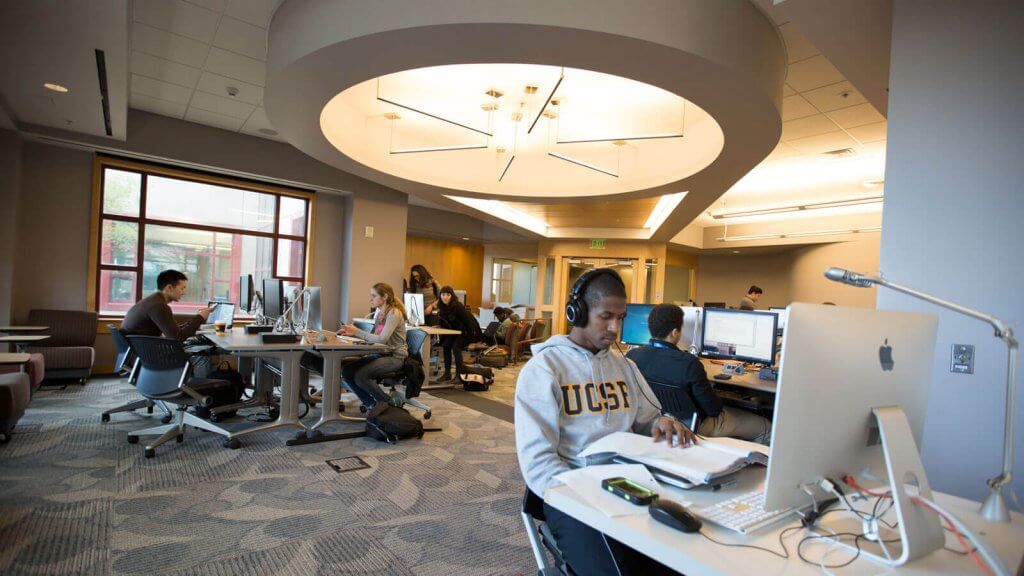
(626, 267)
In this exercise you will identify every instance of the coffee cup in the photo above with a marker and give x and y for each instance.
(220, 325)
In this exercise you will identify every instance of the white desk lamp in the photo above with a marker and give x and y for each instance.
(994, 509)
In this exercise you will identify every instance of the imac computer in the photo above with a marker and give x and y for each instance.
(312, 318)
(224, 312)
(690, 338)
(414, 309)
(738, 335)
(634, 326)
(852, 389)
(273, 297)
(245, 293)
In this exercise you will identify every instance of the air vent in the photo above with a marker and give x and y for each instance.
(101, 70)
(841, 153)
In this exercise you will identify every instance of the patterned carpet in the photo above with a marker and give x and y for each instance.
(76, 498)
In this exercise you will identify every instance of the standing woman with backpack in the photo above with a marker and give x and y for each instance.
(389, 329)
(421, 282)
(456, 317)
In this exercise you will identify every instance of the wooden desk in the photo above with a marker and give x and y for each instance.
(19, 329)
(22, 340)
(17, 358)
(693, 554)
(746, 380)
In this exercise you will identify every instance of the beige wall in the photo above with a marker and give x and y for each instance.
(371, 260)
(10, 184)
(326, 260)
(796, 275)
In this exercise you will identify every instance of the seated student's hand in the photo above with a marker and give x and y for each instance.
(347, 330)
(205, 312)
(674, 431)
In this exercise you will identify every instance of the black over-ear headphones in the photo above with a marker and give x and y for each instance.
(576, 307)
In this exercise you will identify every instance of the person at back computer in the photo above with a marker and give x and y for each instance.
(662, 362)
(753, 295)
(574, 391)
(152, 316)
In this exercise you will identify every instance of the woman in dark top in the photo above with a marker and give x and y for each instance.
(421, 282)
(456, 317)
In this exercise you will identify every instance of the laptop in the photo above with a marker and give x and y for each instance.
(224, 311)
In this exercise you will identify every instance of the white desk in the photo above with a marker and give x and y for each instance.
(335, 352)
(748, 379)
(694, 554)
(238, 343)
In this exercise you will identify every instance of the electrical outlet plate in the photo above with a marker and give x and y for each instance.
(963, 359)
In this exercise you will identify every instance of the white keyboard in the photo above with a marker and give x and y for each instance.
(744, 513)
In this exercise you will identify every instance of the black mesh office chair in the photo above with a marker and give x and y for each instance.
(414, 338)
(675, 401)
(125, 366)
(541, 538)
(163, 375)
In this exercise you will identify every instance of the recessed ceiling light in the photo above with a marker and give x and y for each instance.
(56, 87)
(268, 131)
(735, 251)
(464, 238)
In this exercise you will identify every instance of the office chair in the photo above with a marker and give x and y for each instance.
(125, 365)
(541, 538)
(414, 338)
(164, 375)
(675, 401)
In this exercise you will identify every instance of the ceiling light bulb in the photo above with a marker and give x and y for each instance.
(56, 87)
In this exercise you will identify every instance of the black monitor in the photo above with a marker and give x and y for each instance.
(714, 304)
(245, 290)
(634, 327)
(739, 335)
(273, 297)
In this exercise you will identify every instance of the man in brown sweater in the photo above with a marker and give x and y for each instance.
(152, 316)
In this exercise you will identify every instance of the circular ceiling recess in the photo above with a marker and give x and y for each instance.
(551, 99)
(522, 130)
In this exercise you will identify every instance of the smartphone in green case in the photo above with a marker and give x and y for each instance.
(629, 491)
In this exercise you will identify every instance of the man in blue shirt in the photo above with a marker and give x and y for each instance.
(662, 362)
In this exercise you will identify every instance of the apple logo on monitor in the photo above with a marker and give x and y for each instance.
(885, 356)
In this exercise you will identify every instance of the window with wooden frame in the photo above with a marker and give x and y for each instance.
(150, 218)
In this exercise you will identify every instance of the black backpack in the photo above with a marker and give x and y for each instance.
(225, 385)
(390, 424)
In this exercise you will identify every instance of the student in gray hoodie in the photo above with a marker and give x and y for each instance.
(574, 391)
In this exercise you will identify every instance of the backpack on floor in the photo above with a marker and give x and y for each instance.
(413, 378)
(390, 424)
(225, 385)
(493, 357)
(476, 378)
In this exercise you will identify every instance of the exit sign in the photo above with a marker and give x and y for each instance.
(596, 244)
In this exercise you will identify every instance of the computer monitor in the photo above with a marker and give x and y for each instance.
(738, 335)
(838, 364)
(224, 311)
(311, 315)
(414, 309)
(782, 313)
(634, 327)
(245, 292)
(690, 338)
(714, 304)
(273, 297)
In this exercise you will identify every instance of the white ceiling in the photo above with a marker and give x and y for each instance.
(184, 56)
(821, 112)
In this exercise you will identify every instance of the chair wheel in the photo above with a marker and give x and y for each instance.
(166, 419)
(426, 415)
(214, 417)
(362, 409)
(133, 439)
(149, 409)
(180, 438)
(274, 413)
(150, 452)
(232, 443)
(104, 417)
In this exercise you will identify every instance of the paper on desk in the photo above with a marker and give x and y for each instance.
(586, 483)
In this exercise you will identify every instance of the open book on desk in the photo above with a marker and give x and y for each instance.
(709, 460)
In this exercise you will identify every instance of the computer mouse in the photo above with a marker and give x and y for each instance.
(674, 515)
